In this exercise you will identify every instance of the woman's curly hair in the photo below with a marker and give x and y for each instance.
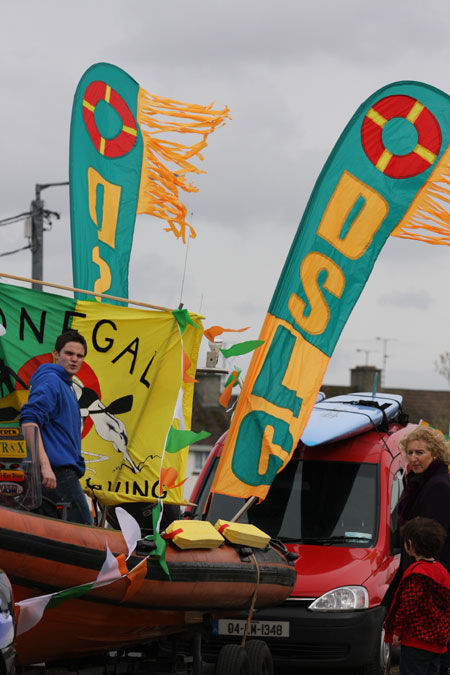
(434, 439)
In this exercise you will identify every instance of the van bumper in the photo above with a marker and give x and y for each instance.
(345, 639)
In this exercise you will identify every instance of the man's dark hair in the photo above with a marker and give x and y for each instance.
(70, 336)
(427, 536)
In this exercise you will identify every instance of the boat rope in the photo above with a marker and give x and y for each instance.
(252, 606)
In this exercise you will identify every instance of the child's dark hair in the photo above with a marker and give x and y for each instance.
(70, 336)
(427, 536)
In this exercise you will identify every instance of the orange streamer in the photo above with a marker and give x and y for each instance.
(214, 331)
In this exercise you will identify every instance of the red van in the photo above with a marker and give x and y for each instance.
(335, 506)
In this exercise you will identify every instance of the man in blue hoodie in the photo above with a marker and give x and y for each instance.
(53, 408)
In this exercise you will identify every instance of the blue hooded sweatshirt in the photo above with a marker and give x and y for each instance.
(53, 406)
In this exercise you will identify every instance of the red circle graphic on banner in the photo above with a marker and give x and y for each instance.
(125, 140)
(429, 136)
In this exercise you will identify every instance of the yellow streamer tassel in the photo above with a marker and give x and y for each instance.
(158, 191)
(428, 217)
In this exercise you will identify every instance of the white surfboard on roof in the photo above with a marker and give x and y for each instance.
(339, 417)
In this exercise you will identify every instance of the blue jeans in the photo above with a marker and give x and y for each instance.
(68, 490)
(418, 662)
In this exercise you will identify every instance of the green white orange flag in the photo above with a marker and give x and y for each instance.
(389, 174)
(127, 157)
(31, 610)
(232, 381)
(129, 387)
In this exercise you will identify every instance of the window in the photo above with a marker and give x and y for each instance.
(200, 457)
(314, 502)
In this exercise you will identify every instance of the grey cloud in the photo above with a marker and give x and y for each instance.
(276, 33)
(292, 72)
(412, 299)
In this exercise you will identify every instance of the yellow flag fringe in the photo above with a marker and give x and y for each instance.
(428, 218)
(158, 191)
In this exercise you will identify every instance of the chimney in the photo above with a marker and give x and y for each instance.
(213, 355)
(362, 378)
(210, 379)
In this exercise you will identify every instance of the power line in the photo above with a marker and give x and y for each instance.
(11, 221)
(16, 251)
(40, 221)
(46, 213)
(15, 219)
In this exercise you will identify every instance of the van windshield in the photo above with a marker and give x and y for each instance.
(312, 502)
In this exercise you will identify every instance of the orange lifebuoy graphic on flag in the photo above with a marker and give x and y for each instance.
(124, 141)
(429, 136)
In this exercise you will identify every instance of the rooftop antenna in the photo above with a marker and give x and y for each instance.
(385, 341)
(185, 263)
(366, 352)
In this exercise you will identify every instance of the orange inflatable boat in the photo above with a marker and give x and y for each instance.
(43, 555)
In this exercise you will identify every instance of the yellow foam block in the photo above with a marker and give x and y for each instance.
(194, 534)
(243, 533)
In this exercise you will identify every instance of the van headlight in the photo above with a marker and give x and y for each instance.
(345, 597)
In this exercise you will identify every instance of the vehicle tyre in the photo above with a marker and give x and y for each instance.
(260, 657)
(385, 656)
(232, 660)
(381, 661)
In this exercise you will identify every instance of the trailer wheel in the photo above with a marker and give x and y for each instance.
(232, 660)
(260, 657)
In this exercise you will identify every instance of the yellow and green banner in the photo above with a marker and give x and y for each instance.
(135, 387)
(389, 174)
(126, 157)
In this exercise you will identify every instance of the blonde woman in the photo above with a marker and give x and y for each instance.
(427, 490)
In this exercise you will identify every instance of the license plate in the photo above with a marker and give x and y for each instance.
(278, 629)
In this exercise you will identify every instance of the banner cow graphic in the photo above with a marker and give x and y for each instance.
(389, 174)
(128, 387)
(108, 426)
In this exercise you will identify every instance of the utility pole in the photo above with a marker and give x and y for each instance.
(37, 237)
(37, 233)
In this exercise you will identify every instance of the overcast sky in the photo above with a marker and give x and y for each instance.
(292, 74)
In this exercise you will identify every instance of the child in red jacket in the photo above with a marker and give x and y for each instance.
(419, 617)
